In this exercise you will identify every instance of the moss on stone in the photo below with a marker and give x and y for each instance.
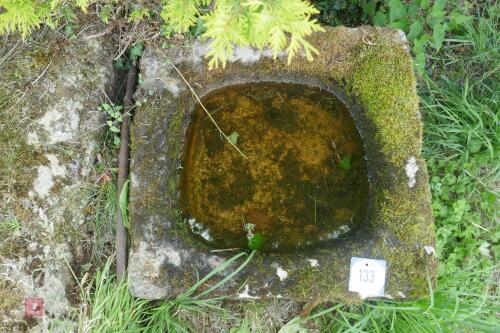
(10, 297)
(384, 84)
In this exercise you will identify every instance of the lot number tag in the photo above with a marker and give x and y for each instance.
(367, 277)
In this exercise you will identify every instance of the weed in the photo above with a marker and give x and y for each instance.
(464, 211)
(102, 208)
(114, 120)
(459, 122)
(446, 310)
(109, 307)
(461, 142)
(461, 98)
(9, 225)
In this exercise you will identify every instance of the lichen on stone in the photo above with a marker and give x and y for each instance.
(49, 94)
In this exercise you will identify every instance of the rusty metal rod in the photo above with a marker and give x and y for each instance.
(123, 171)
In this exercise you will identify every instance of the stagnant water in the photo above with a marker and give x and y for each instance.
(304, 181)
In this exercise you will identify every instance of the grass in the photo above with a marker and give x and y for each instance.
(461, 107)
(461, 97)
(446, 310)
(460, 104)
(8, 226)
(108, 306)
(102, 209)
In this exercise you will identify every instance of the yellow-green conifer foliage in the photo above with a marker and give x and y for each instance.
(281, 25)
(24, 16)
(259, 23)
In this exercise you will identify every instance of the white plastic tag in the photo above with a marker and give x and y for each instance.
(367, 277)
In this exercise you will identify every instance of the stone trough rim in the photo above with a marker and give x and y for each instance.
(168, 260)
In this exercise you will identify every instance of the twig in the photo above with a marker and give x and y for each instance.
(335, 148)
(8, 54)
(208, 113)
(106, 31)
(224, 250)
(123, 166)
(40, 76)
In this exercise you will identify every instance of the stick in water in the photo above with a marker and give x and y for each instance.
(208, 113)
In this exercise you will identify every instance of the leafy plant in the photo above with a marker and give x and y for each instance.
(102, 209)
(136, 51)
(425, 22)
(138, 13)
(114, 114)
(461, 143)
(465, 215)
(340, 12)
(445, 310)
(255, 242)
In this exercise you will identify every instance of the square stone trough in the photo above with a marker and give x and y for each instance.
(367, 68)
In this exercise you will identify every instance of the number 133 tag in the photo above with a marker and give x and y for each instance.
(367, 277)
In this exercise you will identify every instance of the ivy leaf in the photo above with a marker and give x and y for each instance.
(233, 138)
(294, 326)
(416, 29)
(484, 249)
(255, 242)
(420, 43)
(200, 27)
(413, 8)
(116, 141)
(438, 6)
(380, 19)
(396, 10)
(85, 267)
(438, 31)
(345, 163)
